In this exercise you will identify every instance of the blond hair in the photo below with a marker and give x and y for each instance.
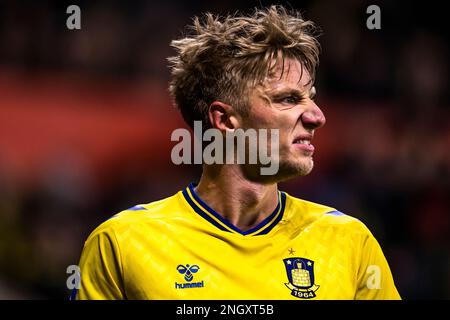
(221, 58)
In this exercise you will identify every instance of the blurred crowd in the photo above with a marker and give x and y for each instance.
(382, 157)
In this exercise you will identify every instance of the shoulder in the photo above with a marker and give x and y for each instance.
(326, 216)
(135, 217)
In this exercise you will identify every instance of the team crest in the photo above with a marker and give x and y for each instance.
(300, 273)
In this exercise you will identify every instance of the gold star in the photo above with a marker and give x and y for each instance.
(291, 251)
(309, 263)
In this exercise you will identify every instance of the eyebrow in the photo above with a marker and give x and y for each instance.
(290, 91)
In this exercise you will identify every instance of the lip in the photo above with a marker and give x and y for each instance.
(304, 147)
(307, 147)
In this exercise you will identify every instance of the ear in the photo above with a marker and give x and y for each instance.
(223, 116)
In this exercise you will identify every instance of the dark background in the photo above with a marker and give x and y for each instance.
(85, 124)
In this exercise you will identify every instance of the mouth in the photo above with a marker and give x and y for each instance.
(303, 142)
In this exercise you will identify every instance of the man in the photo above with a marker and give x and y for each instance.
(234, 235)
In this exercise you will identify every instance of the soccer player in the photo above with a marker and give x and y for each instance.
(234, 235)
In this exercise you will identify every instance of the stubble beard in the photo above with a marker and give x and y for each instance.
(290, 169)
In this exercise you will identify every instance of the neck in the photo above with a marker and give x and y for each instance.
(242, 202)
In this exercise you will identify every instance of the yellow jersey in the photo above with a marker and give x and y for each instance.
(179, 248)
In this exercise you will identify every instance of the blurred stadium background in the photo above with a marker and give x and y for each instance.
(85, 123)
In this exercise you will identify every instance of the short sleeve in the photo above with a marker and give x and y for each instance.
(374, 279)
(101, 276)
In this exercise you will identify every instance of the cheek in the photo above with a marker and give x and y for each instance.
(286, 122)
(262, 117)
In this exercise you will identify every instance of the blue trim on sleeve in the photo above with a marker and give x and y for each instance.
(335, 213)
(136, 208)
(73, 294)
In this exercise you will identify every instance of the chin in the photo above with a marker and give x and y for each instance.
(293, 169)
(287, 170)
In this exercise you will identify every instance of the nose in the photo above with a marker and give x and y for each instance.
(313, 117)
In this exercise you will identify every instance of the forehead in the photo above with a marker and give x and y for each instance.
(288, 73)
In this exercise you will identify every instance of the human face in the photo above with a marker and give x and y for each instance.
(284, 101)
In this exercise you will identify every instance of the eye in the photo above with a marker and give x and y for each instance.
(312, 93)
(291, 99)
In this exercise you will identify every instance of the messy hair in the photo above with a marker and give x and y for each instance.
(221, 58)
